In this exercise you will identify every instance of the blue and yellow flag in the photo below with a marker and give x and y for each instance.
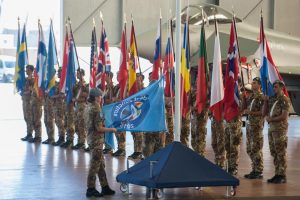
(51, 62)
(142, 112)
(21, 62)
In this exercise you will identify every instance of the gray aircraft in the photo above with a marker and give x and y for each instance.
(285, 49)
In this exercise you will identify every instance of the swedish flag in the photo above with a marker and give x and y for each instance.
(21, 62)
(51, 62)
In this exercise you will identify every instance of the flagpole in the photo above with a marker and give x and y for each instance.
(160, 60)
(51, 26)
(238, 48)
(137, 52)
(177, 77)
(71, 33)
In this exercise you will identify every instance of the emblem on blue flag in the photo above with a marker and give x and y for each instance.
(143, 111)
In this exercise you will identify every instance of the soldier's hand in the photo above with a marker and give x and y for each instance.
(268, 119)
(114, 130)
(266, 98)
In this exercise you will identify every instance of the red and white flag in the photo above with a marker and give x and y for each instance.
(217, 88)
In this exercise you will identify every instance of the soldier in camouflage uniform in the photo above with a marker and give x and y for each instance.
(59, 111)
(185, 128)
(198, 125)
(169, 137)
(69, 124)
(108, 99)
(121, 136)
(138, 136)
(277, 110)
(49, 118)
(96, 132)
(26, 96)
(218, 141)
(152, 140)
(233, 137)
(81, 91)
(254, 130)
(36, 103)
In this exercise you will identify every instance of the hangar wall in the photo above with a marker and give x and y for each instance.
(279, 15)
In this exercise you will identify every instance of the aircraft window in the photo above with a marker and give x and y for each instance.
(1, 65)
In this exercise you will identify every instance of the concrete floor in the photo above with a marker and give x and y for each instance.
(36, 171)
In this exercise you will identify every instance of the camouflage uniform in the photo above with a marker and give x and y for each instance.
(36, 106)
(185, 129)
(218, 141)
(96, 140)
(27, 111)
(153, 143)
(121, 136)
(108, 99)
(138, 137)
(278, 133)
(81, 91)
(59, 111)
(254, 132)
(198, 126)
(49, 117)
(233, 138)
(169, 118)
(70, 121)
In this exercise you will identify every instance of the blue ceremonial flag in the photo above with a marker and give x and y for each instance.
(141, 112)
(71, 75)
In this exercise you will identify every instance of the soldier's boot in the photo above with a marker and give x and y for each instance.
(88, 149)
(78, 146)
(280, 179)
(256, 175)
(107, 151)
(67, 144)
(27, 137)
(106, 190)
(35, 140)
(92, 192)
(60, 141)
(48, 141)
(232, 171)
(271, 180)
(136, 155)
(119, 152)
(247, 175)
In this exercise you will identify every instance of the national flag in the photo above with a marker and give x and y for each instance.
(103, 60)
(140, 111)
(62, 83)
(157, 54)
(93, 60)
(133, 63)
(52, 63)
(231, 100)
(268, 71)
(185, 74)
(217, 88)
(40, 70)
(168, 69)
(21, 62)
(71, 72)
(203, 74)
(123, 73)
